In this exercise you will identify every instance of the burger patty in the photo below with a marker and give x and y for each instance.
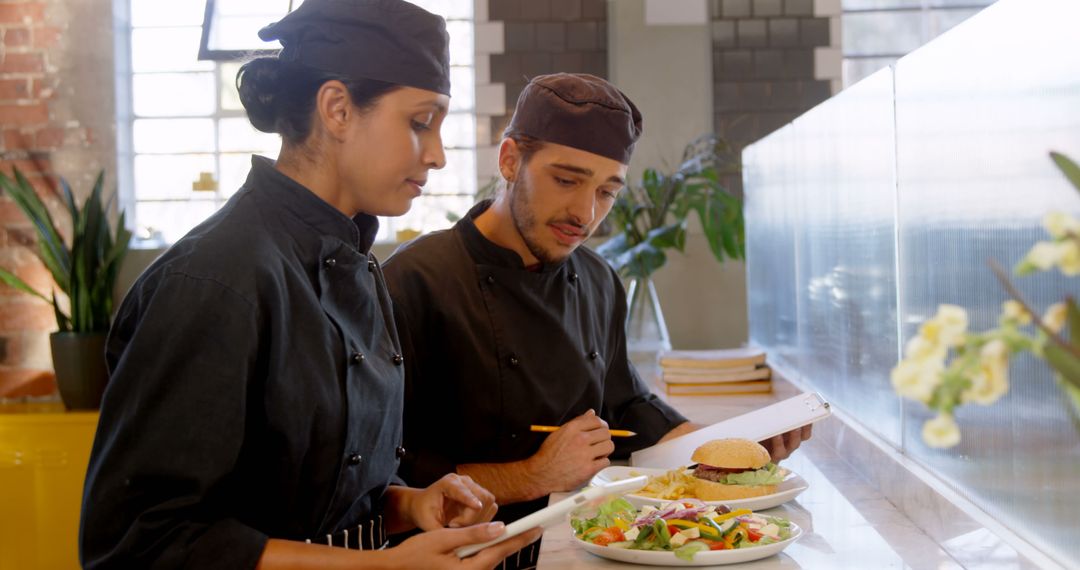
(714, 474)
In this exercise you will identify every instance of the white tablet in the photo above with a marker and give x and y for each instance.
(556, 513)
(758, 425)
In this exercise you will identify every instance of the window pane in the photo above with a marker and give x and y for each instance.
(877, 4)
(275, 9)
(234, 171)
(240, 33)
(856, 70)
(462, 89)
(167, 49)
(942, 21)
(429, 213)
(237, 135)
(174, 135)
(172, 219)
(156, 94)
(458, 177)
(230, 98)
(169, 176)
(171, 13)
(883, 33)
(965, 3)
(449, 9)
(461, 42)
(459, 130)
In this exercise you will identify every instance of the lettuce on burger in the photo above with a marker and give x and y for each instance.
(731, 469)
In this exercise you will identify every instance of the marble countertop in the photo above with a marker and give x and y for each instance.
(847, 522)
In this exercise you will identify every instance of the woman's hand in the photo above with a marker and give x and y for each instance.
(430, 550)
(435, 549)
(453, 501)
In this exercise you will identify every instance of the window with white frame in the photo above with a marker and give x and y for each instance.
(186, 143)
(878, 32)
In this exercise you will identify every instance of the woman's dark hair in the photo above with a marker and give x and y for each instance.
(280, 96)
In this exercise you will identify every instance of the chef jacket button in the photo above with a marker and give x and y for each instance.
(397, 360)
(354, 459)
(371, 266)
(399, 452)
(491, 279)
(593, 355)
(329, 262)
(573, 277)
(357, 358)
(514, 360)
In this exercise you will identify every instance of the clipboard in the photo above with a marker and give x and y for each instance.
(758, 425)
(556, 513)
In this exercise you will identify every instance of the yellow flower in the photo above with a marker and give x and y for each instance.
(918, 348)
(916, 379)
(1054, 319)
(991, 382)
(1060, 224)
(941, 432)
(1043, 255)
(1069, 257)
(947, 327)
(1013, 311)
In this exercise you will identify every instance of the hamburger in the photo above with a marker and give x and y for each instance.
(729, 469)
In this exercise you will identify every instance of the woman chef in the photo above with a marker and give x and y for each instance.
(255, 399)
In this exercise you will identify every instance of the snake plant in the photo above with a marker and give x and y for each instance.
(86, 271)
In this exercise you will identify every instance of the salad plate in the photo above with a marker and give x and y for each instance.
(690, 534)
(787, 490)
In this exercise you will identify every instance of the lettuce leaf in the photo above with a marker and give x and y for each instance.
(605, 516)
(688, 550)
(771, 474)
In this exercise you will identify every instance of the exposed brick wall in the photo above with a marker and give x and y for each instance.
(56, 119)
(763, 65)
(546, 36)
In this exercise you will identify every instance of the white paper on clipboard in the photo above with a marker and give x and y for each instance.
(758, 425)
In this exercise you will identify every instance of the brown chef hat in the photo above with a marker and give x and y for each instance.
(387, 40)
(580, 111)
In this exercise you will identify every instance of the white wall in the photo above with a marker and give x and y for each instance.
(667, 71)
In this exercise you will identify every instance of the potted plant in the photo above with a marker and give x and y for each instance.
(86, 273)
(652, 217)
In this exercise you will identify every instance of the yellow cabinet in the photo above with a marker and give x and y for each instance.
(43, 456)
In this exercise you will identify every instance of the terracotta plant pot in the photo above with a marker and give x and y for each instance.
(81, 374)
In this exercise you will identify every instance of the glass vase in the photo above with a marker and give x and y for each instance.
(646, 331)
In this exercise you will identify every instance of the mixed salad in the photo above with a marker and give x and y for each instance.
(685, 527)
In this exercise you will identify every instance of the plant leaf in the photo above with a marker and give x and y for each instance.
(62, 320)
(1073, 318)
(1067, 365)
(1069, 168)
(51, 248)
(17, 283)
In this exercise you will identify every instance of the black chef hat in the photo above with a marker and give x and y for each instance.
(580, 111)
(387, 40)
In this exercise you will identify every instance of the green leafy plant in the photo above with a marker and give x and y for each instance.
(979, 369)
(652, 216)
(86, 272)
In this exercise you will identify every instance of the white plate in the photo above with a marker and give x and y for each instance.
(785, 491)
(703, 558)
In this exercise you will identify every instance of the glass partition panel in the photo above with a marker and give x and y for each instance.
(846, 251)
(977, 112)
(875, 207)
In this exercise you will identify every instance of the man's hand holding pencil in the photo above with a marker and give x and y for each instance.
(572, 454)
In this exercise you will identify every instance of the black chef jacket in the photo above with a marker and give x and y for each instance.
(256, 388)
(492, 347)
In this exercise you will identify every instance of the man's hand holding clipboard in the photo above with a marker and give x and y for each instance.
(759, 425)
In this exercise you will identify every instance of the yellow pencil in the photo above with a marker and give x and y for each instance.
(613, 432)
